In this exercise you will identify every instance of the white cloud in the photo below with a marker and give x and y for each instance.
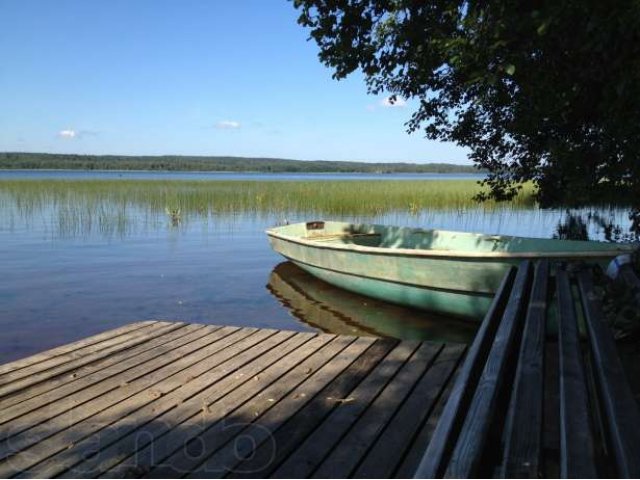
(227, 124)
(398, 103)
(67, 134)
(72, 133)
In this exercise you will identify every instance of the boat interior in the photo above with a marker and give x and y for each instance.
(380, 236)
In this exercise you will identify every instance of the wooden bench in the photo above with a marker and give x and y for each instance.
(528, 402)
(629, 278)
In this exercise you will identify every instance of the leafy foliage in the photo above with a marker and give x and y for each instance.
(540, 91)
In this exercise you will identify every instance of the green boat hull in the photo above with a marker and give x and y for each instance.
(452, 273)
(455, 303)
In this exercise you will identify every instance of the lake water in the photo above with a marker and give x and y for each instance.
(59, 284)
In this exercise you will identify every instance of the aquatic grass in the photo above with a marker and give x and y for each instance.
(117, 207)
(113, 206)
(327, 197)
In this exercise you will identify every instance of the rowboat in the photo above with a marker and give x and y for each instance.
(454, 273)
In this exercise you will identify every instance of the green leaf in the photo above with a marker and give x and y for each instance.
(542, 29)
(510, 69)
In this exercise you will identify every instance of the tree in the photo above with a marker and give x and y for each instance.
(542, 91)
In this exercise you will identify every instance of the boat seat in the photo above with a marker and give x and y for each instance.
(535, 401)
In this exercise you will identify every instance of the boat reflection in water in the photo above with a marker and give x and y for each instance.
(334, 310)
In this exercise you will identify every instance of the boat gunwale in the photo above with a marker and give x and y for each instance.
(453, 254)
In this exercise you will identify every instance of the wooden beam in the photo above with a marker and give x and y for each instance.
(442, 442)
(577, 453)
(523, 432)
(622, 418)
(472, 441)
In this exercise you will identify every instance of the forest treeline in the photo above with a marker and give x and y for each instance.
(11, 160)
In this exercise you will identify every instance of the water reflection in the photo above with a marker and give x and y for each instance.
(333, 310)
(576, 225)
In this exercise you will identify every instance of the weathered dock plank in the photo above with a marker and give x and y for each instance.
(29, 447)
(410, 415)
(476, 429)
(128, 442)
(40, 357)
(63, 385)
(160, 398)
(347, 454)
(31, 375)
(300, 432)
(217, 436)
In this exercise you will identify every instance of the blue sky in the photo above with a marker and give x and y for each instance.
(191, 77)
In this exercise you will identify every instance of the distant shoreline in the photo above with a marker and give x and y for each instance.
(217, 164)
(223, 172)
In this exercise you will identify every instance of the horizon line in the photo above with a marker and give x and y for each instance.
(387, 162)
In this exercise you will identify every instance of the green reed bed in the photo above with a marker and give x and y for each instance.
(86, 199)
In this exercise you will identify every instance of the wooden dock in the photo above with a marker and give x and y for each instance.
(162, 399)
(165, 399)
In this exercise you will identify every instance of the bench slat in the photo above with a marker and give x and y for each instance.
(621, 410)
(434, 459)
(505, 367)
(471, 443)
(577, 452)
(523, 432)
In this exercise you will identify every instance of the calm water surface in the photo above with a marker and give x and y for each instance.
(59, 284)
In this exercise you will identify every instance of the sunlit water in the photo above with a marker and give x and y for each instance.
(62, 280)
